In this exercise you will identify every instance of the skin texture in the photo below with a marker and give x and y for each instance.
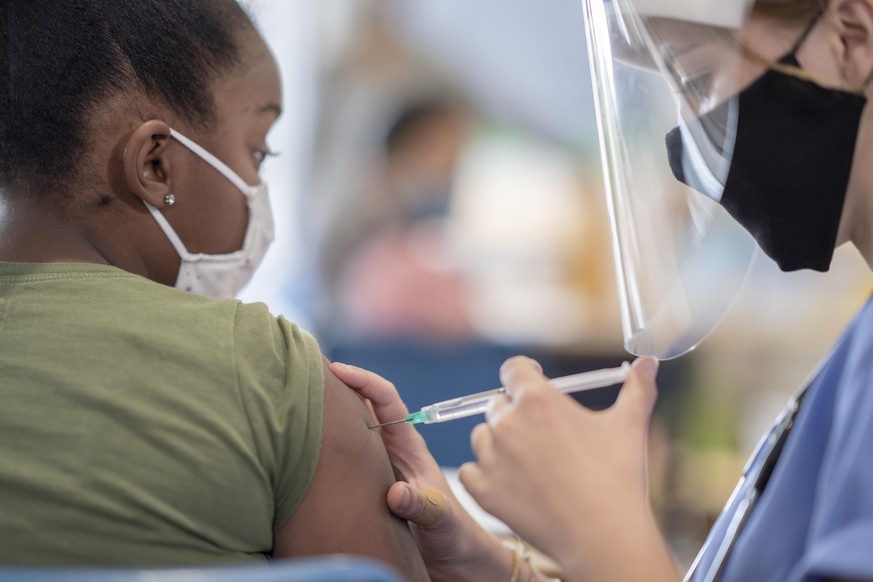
(344, 509)
(101, 218)
(573, 481)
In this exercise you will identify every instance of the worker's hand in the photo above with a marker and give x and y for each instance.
(453, 545)
(569, 480)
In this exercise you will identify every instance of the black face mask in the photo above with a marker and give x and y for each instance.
(790, 166)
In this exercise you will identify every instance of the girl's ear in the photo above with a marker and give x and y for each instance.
(147, 167)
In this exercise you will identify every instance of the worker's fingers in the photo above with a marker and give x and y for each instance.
(638, 395)
(387, 404)
(481, 441)
(521, 372)
(481, 486)
(423, 507)
(496, 408)
(470, 476)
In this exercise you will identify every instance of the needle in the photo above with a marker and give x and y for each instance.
(388, 423)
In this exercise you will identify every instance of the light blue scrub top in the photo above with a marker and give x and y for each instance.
(814, 519)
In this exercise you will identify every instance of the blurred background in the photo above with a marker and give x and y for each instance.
(439, 208)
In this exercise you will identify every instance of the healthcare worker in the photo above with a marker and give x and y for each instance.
(769, 125)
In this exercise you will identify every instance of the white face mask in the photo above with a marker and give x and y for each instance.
(222, 276)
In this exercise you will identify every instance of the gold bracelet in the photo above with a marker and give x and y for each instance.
(525, 557)
(521, 552)
(517, 557)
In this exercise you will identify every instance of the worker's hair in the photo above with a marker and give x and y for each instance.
(791, 10)
(61, 59)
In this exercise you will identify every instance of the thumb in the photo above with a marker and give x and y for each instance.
(638, 395)
(423, 507)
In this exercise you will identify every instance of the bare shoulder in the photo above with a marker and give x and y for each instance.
(344, 510)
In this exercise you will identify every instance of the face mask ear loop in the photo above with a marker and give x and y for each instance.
(805, 34)
(168, 231)
(866, 84)
(210, 159)
(793, 70)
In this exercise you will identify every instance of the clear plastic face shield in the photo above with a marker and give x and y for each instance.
(665, 75)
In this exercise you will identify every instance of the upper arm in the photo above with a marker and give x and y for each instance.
(344, 509)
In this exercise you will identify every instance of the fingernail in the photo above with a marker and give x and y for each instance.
(406, 500)
(348, 367)
(647, 365)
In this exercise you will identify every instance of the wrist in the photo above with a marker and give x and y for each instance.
(626, 549)
(486, 559)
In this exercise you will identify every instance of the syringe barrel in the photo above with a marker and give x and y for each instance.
(460, 407)
(465, 406)
(593, 379)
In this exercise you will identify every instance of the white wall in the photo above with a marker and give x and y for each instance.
(289, 28)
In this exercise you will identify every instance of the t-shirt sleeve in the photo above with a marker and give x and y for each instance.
(840, 544)
(281, 384)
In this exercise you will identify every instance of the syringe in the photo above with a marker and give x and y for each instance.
(465, 406)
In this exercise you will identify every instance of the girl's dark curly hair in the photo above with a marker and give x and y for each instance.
(59, 61)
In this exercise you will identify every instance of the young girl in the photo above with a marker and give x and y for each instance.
(147, 418)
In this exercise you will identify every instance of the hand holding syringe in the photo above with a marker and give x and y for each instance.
(465, 406)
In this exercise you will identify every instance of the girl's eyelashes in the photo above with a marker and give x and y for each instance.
(261, 155)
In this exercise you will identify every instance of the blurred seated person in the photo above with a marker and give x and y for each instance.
(392, 269)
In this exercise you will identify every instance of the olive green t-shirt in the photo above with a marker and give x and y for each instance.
(144, 425)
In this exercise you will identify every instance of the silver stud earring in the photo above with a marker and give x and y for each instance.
(169, 199)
